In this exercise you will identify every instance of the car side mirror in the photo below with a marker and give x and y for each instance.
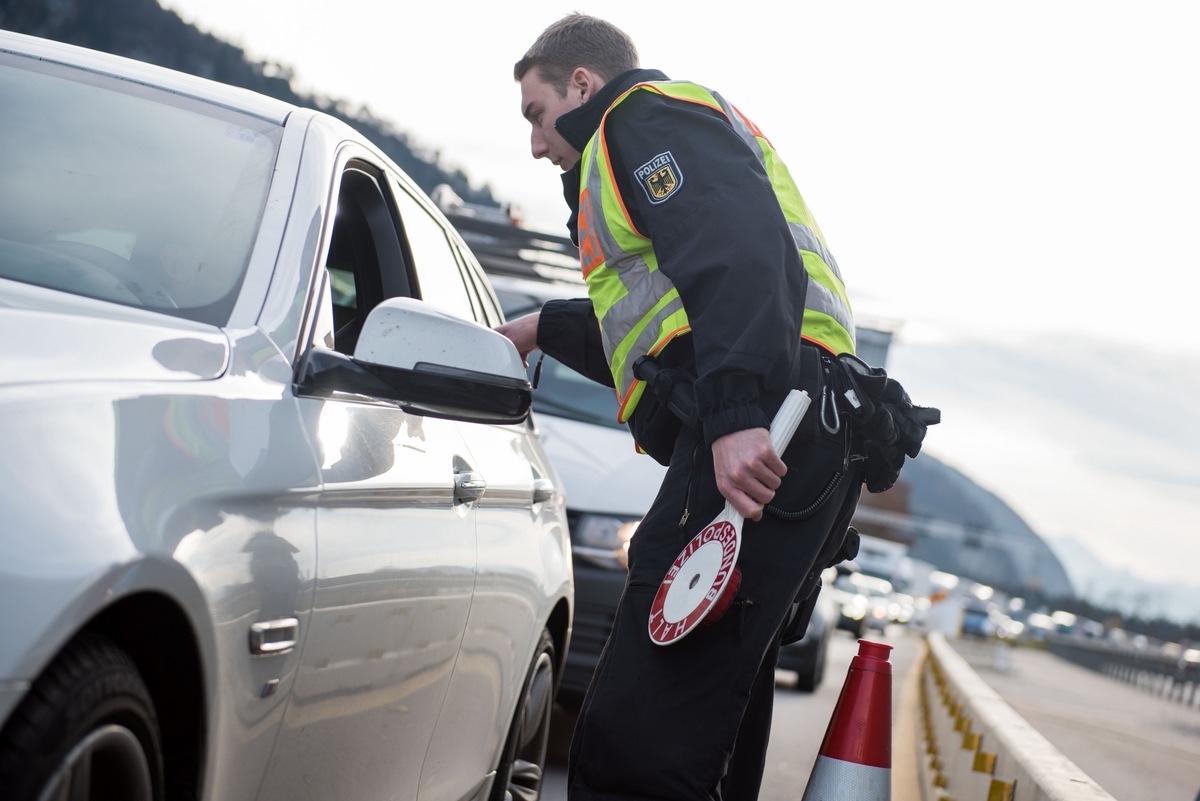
(408, 333)
(429, 363)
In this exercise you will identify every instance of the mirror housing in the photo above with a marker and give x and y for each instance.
(428, 363)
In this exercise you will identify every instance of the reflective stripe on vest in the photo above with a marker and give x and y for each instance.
(638, 307)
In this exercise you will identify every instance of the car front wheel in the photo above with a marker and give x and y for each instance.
(523, 761)
(85, 731)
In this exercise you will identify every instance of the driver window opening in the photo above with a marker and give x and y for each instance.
(366, 262)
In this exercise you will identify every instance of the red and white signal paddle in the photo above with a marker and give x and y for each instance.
(704, 577)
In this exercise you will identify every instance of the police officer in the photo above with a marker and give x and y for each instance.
(698, 251)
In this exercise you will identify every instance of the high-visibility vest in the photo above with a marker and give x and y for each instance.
(639, 309)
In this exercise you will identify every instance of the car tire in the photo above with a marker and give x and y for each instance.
(86, 730)
(523, 762)
(809, 681)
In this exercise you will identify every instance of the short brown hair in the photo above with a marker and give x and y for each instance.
(578, 40)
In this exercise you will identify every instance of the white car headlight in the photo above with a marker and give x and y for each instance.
(603, 540)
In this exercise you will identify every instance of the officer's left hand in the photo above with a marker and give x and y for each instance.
(748, 470)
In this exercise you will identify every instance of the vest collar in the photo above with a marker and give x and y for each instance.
(578, 125)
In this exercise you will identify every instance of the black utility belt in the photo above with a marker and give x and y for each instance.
(890, 426)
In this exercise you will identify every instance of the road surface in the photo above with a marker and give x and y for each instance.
(1137, 746)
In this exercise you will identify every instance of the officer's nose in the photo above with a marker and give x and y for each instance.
(538, 145)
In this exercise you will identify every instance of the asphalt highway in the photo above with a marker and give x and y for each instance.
(1137, 746)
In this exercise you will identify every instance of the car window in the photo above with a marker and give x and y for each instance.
(480, 289)
(365, 261)
(867, 585)
(113, 190)
(368, 261)
(438, 274)
(563, 392)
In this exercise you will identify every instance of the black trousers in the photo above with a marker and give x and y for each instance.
(690, 721)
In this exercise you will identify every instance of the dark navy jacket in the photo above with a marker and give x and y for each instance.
(722, 240)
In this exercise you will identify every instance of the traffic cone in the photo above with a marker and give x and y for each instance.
(855, 762)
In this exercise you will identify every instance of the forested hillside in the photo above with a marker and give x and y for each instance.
(143, 30)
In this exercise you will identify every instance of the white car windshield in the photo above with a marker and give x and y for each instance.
(562, 392)
(117, 191)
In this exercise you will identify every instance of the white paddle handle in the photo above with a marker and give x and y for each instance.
(788, 418)
(786, 421)
(733, 516)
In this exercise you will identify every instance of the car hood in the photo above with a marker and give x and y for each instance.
(600, 468)
(51, 345)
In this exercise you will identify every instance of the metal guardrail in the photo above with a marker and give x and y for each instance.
(1172, 677)
(977, 748)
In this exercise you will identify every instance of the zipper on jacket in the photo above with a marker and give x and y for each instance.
(687, 494)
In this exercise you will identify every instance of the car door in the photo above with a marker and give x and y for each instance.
(517, 491)
(396, 542)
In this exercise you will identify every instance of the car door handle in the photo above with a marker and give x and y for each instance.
(272, 637)
(543, 490)
(468, 486)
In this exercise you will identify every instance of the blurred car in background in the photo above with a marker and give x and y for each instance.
(979, 619)
(986, 619)
(865, 602)
(904, 608)
(808, 656)
(882, 608)
(275, 523)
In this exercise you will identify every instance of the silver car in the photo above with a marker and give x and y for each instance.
(275, 523)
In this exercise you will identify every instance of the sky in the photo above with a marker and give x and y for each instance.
(1010, 187)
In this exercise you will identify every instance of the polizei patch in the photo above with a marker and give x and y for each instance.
(660, 177)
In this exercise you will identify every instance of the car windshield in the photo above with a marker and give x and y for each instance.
(562, 392)
(559, 390)
(114, 190)
(867, 585)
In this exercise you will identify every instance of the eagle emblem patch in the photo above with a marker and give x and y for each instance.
(660, 177)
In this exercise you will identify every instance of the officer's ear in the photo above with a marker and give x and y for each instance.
(583, 84)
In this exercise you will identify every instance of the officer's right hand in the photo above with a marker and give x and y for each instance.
(748, 470)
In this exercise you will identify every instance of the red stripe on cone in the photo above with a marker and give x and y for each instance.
(861, 728)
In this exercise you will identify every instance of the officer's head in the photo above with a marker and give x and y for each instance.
(578, 40)
(565, 67)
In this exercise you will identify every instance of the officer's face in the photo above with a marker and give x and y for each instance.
(542, 105)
